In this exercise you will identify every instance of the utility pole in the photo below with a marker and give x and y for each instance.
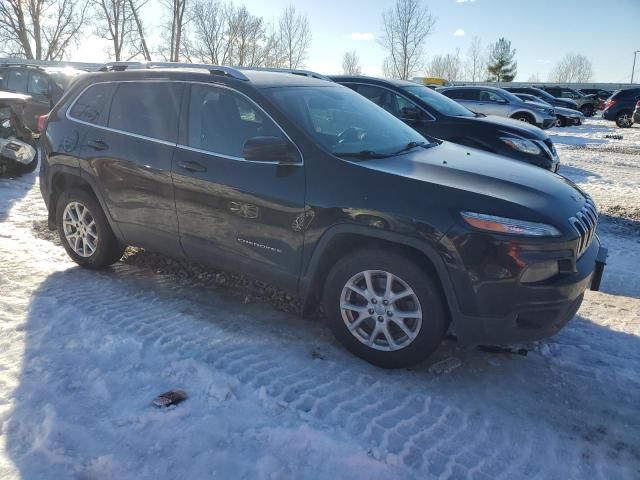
(633, 69)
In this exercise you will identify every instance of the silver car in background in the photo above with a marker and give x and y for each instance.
(566, 116)
(496, 101)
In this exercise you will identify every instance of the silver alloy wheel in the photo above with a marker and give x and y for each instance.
(625, 120)
(80, 229)
(381, 310)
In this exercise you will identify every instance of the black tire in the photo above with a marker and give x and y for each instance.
(587, 110)
(562, 122)
(434, 320)
(107, 248)
(524, 117)
(624, 119)
(22, 168)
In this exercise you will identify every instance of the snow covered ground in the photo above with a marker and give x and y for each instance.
(272, 396)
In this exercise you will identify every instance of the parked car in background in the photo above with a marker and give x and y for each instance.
(587, 104)
(600, 94)
(620, 106)
(636, 113)
(435, 115)
(566, 117)
(547, 97)
(16, 155)
(306, 184)
(44, 85)
(496, 101)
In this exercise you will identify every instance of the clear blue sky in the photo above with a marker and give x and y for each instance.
(542, 31)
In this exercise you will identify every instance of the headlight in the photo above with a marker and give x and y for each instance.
(522, 145)
(491, 223)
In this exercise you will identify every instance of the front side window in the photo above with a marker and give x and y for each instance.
(17, 81)
(221, 121)
(147, 108)
(344, 122)
(91, 106)
(489, 96)
(390, 101)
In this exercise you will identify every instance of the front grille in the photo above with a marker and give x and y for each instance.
(585, 223)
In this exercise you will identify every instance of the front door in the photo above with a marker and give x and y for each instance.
(233, 213)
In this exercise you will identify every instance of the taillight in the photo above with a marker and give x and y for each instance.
(42, 120)
(609, 103)
(638, 104)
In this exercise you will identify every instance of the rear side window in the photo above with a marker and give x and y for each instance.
(91, 106)
(17, 81)
(148, 109)
(462, 94)
(220, 121)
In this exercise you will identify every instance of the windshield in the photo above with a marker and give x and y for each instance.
(439, 102)
(532, 98)
(63, 79)
(344, 122)
(509, 96)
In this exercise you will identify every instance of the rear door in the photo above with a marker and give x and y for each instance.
(130, 158)
(237, 214)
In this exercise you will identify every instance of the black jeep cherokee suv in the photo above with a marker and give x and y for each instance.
(310, 186)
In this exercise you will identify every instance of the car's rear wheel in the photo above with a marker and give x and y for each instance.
(524, 117)
(384, 308)
(84, 230)
(561, 122)
(624, 120)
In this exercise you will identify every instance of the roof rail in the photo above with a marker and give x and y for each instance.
(293, 71)
(213, 69)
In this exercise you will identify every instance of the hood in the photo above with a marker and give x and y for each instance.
(7, 99)
(467, 178)
(510, 125)
(568, 112)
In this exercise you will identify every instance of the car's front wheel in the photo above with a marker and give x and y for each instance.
(624, 120)
(524, 117)
(385, 308)
(84, 230)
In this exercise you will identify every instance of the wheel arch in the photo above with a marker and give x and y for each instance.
(523, 113)
(342, 239)
(64, 178)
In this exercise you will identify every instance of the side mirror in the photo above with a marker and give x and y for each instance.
(269, 149)
(411, 113)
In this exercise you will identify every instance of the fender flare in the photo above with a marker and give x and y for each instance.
(77, 172)
(312, 267)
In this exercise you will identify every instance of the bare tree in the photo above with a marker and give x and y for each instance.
(351, 63)
(476, 63)
(174, 28)
(447, 67)
(212, 35)
(113, 24)
(141, 41)
(40, 29)
(574, 67)
(250, 37)
(406, 26)
(534, 78)
(294, 37)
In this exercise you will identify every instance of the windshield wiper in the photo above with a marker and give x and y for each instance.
(412, 145)
(365, 154)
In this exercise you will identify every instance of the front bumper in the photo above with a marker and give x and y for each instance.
(547, 122)
(504, 310)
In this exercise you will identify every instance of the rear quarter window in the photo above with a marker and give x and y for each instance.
(91, 105)
(149, 109)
